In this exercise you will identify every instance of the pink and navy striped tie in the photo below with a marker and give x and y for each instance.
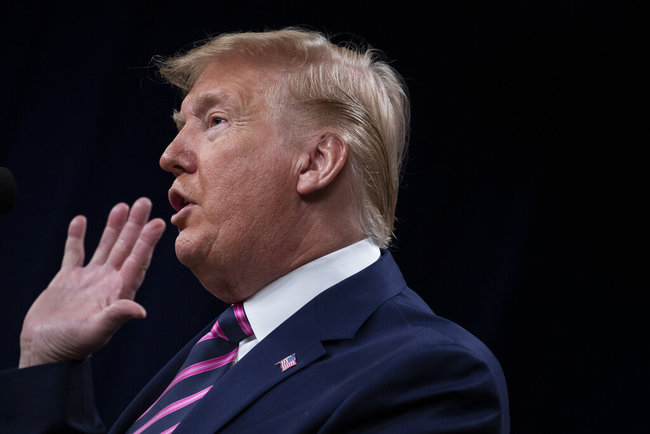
(210, 357)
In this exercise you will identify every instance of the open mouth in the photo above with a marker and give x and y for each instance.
(177, 200)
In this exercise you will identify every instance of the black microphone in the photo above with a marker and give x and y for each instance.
(7, 190)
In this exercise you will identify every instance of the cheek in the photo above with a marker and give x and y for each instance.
(244, 178)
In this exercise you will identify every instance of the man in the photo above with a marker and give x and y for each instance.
(286, 170)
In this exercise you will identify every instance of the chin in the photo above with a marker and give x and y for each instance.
(186, 251)
(196, 252)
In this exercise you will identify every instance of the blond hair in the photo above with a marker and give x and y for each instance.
(350, 90)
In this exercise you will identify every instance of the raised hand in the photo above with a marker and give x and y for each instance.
(83, 306)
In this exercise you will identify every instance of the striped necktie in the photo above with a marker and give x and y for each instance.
(210, 357)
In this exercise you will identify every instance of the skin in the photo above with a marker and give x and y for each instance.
(83, 306)
(254, 200)
(252, 188)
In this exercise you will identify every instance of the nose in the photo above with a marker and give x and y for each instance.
(178, 158)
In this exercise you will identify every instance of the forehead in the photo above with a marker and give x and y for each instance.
(232, 83)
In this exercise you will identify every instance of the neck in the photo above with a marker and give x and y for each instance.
(305, 239)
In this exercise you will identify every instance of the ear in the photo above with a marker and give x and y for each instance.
(321, 163)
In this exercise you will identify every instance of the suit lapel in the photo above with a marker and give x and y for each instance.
(256, 373)
(155, 386)
(335, 314)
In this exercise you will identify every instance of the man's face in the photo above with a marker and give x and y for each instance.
(234, 183)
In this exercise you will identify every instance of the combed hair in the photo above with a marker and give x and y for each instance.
(350, 90)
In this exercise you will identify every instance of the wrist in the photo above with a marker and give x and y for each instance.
(29, 356)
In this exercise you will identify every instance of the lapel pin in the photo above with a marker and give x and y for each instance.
(287, 362)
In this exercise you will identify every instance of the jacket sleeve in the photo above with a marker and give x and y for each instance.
(50, 398)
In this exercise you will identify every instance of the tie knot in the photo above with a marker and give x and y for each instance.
(232, 325)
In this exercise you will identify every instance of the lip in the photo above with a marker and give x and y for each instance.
(180, 203)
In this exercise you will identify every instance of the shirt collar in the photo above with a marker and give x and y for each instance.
(283, 297)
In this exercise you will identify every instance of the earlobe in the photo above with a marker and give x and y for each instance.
(321, 164)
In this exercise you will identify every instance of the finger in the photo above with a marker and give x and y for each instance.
(119, 312)
(114, 224)
(129, 235)
(135, 266)
(73, 253)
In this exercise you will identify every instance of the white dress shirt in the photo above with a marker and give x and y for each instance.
(283, 297)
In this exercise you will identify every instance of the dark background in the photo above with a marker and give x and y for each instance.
(521, 216)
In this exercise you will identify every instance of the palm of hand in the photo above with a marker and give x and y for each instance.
(83, 306)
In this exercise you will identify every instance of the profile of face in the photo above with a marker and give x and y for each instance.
(234, 174)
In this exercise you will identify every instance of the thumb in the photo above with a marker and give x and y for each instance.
(121, 311)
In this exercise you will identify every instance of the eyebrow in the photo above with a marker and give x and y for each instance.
(204, 102)
(207, 100)
(179, 119)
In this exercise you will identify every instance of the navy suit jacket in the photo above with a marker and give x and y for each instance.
(371, 357)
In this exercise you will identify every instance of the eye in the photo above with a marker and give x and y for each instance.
(216, 120)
